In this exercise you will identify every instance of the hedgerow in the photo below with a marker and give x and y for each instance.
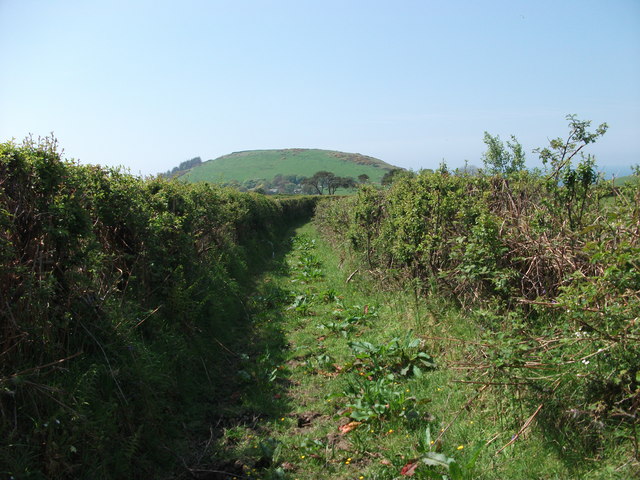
(116, 295)
(545, 262)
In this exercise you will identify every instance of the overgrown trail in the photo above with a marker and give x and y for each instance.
(341, 380)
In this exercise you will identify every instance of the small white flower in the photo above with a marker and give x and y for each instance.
(585, 361)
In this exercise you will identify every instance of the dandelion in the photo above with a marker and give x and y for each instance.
(460, 447)
(391, 430)
(301, 456)
(282, 419)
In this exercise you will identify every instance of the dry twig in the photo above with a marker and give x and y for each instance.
(522, 429)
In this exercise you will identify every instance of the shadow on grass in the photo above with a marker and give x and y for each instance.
(228, 436)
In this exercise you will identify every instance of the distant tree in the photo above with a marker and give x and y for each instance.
(327, 181)
(340, 182)
(363, 178)
(295, 179)
(501, 160)
(468, 169)
(387, 178)
(186, 165)
(394, 174)
(320, 181)
(307, 189)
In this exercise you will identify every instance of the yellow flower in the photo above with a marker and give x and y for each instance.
(460, 447)
(301, 456)
(391, 430)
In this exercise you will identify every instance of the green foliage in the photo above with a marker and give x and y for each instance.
(323, 179)
(500, 160)
(547, 263)
(182, 168)
(375, 400)
(560, 152)
(395, 174)
(111, 288)
(400, 356)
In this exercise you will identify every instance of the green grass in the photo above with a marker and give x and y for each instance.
(627, 179)
(265, 164)
(300, 379)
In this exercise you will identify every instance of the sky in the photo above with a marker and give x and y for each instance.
(149, 84)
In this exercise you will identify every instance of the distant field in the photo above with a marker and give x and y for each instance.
(626, 179)
(256, 164)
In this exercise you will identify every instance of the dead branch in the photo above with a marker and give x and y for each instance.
(522, 429)
(351, 276)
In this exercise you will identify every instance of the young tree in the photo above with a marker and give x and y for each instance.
(501, 160)
(560, 152)
(572, 186)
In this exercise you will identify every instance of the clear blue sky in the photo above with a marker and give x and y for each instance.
(148, 84)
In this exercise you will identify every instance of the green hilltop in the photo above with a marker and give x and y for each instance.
(251, 165)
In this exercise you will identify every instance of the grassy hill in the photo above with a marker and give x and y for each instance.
(266, 164)
(624, 180)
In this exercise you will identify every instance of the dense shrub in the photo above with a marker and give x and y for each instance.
(111, 289)
(547, 264)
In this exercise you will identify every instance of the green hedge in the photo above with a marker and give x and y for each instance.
(115, 293)
(548, 269)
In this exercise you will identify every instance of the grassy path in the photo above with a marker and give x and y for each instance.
(340, 380)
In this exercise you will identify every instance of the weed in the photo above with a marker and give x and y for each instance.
(400, 356)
